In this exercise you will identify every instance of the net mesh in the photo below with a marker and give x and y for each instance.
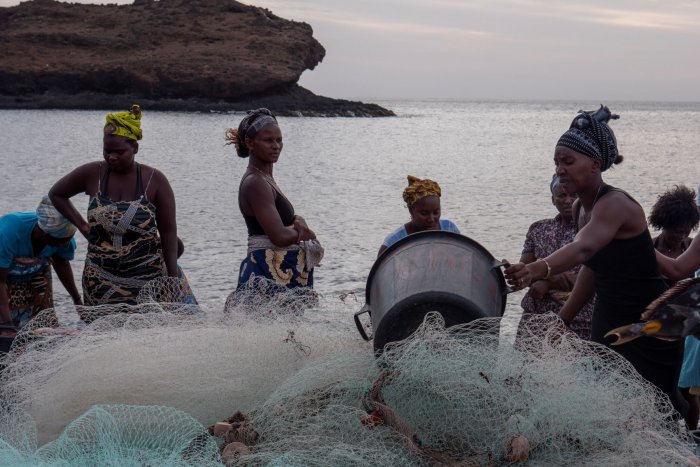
(138, 383)
(459, 397)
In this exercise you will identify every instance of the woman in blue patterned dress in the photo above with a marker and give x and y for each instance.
(282, 249)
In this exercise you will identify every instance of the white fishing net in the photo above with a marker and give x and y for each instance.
(165, 354)
(137, 385)
(455, 397)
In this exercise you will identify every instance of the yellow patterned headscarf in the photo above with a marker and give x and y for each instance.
(418, 189)
(127, 124)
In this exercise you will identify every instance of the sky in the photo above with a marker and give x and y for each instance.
(601, 50)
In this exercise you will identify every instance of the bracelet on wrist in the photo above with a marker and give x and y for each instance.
(549, 269)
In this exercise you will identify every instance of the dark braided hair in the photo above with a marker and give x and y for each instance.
(675, 208)
(247, 129)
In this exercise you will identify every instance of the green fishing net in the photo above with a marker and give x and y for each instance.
(137, 386)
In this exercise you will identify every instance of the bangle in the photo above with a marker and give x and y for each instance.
(549, 268)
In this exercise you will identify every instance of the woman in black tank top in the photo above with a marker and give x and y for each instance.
(274, 231)
(614, 245)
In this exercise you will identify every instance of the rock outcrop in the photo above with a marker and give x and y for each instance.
(168, 54)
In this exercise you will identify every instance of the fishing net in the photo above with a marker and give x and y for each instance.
(457, 397)
(121, 435)
(137, 384)
(165, 354)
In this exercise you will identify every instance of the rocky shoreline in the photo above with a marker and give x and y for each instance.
(298, 102)
(179, 55)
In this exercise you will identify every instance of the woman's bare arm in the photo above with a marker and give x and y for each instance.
(683, 266)
(260, 197)
(75, 182)
(164, 200)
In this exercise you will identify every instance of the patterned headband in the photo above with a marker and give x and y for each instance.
(258, 125)
(590, 136)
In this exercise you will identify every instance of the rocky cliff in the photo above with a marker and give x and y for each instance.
(167, 54)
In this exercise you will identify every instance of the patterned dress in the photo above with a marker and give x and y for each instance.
(266, 265)
(544, 238)
(29, 285)
(124, 250)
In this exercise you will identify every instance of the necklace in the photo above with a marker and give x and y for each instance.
(265, 174)
(587, 214)
(597, 193)
(267, 178)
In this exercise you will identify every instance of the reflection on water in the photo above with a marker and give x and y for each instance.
(345, 176)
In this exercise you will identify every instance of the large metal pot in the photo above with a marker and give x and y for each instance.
(431, 271)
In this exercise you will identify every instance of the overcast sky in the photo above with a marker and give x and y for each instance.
(504, 49)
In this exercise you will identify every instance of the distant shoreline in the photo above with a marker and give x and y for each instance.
(297, 102)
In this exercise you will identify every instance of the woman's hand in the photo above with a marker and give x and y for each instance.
(518, 275)
(305, 233)
(539, 289)
(84, 229)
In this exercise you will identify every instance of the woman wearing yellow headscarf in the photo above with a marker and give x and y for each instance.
(422, 198)
(130, 226)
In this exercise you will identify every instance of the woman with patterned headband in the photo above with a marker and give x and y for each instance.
(422, 198)
(615, 247)
(282, 249)
(30, 242)
(130, 227)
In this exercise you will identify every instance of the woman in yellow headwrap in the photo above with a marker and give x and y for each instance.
(422, 198)
(130, 227)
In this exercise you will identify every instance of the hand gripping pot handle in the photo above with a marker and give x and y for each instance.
(500, 264)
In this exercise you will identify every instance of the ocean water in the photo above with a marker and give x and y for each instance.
(345, 175)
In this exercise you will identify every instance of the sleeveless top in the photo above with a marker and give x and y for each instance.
(124, 250)
(282, 204)
(627, 277)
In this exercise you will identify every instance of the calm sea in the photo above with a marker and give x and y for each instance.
(345, 175)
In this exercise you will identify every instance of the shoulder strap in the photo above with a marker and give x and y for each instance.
(577, 214)
(103, 180)
(145, 191)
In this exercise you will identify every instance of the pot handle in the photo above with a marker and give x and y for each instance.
(360, 327)
(503, 264)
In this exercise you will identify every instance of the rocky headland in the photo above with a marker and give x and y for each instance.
(189, 55)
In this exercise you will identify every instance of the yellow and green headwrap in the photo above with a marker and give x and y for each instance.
(126, 124)
(418, 189)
